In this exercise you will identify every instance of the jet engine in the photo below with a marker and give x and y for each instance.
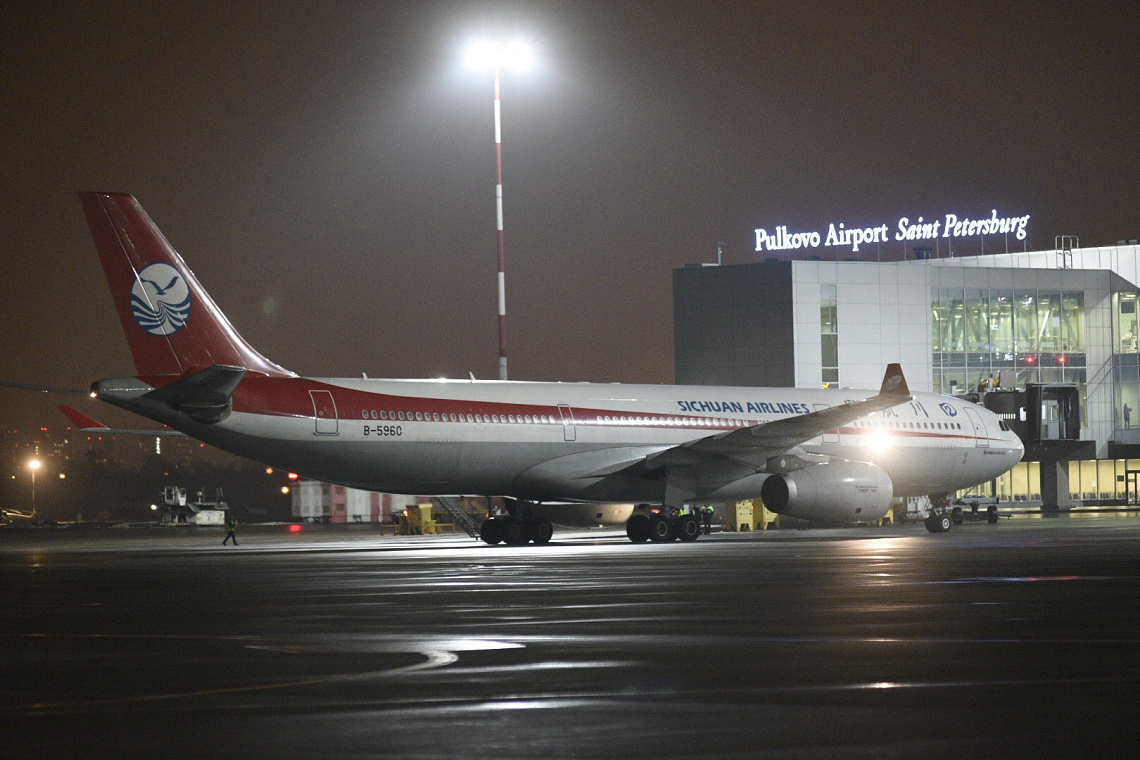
(840, 492)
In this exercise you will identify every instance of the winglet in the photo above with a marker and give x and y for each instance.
(894, 384)
(81, 420)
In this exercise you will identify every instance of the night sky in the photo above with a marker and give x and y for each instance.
(327, 169)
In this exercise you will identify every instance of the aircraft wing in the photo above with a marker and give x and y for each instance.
(755, 445)
(46, 388)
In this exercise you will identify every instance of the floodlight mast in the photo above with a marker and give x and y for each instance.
(496, 56)
(499, 227)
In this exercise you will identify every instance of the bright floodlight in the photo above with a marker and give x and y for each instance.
(493, 54)
(878, 441)
(34, 464)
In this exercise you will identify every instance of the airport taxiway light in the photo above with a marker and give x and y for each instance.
(293, 476)
(285, 490)
(294, 528)
(153, 507)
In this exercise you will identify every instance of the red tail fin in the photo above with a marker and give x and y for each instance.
(81, 420)
(894, 383)
(171, 323)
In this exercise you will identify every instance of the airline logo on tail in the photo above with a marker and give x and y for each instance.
(160, 300)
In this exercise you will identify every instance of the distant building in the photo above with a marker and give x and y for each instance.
(314, 501)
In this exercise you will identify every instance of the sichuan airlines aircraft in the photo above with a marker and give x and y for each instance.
(820, 455)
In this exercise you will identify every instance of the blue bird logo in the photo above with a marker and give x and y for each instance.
(160, 309)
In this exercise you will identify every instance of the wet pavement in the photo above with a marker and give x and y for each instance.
(1015, 640)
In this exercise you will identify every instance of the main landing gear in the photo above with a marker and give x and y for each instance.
(516, 531)
(654, 525)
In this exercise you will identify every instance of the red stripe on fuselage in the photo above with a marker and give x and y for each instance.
(289, 397)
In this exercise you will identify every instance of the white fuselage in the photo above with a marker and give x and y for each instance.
(579, 441)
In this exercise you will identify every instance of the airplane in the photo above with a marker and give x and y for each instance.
(823, 455)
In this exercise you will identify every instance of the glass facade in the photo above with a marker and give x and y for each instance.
(829, 333)
(1125, 359)
(1106, 482)
(1037, 334)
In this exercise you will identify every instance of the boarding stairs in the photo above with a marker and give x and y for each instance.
(460, 515)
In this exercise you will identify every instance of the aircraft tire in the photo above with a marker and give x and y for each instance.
(660, 529)
(514, 532)
(540, 531)
(490, 531)
(956, 515)
(637, 528)
(992, 515)
(688, 529)
(937, 523)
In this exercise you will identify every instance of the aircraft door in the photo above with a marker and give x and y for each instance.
(567, 415)
(981, 438)
(324, 412)
(831, 436)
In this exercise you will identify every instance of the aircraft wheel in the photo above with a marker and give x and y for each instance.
(637, 528)
(541, 530)
(490, 531)
(938, 523)
(688, 528)
(991, 515)
(514, 532)
(660, 529)
(956, 515)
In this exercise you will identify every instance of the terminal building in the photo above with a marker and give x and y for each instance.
(1058, 326)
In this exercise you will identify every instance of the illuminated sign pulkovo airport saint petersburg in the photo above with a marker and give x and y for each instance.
(840, 235)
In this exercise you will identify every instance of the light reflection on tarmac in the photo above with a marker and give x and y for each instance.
(1015, 640)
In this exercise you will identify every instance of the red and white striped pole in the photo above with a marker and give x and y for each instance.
(514, 56)
(499, 222)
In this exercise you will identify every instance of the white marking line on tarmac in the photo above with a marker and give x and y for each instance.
(434, 659)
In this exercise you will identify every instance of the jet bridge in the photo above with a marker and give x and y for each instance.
(1047, 419)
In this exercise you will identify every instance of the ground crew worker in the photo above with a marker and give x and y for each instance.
(706, 517)
(231, 526)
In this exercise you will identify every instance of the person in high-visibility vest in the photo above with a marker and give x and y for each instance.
(231, 526)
